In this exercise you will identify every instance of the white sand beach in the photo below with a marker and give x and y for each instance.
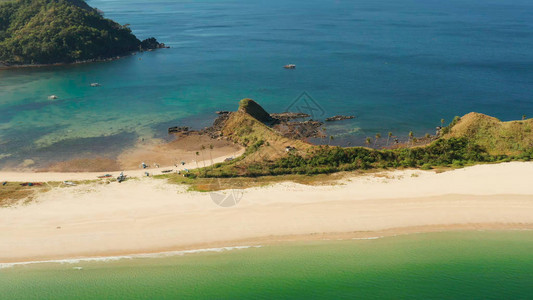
(150, 215)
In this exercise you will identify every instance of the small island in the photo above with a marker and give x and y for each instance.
(45, 32)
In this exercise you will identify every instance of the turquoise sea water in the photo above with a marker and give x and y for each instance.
(452, 265)
(398, 65)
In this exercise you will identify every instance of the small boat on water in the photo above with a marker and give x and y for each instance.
(290, 66)
(95, 84)
(52, 97)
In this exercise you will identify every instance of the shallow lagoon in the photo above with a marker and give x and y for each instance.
(449, 265)
(397, 65)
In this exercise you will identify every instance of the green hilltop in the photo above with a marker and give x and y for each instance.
(61, 31)
(497, 137)
(472, 139)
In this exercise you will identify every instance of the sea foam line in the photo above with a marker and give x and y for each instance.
(120, 257)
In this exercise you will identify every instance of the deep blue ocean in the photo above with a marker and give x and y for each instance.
(398, 65)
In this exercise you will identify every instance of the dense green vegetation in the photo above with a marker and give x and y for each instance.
(60, 31)
(453, 152)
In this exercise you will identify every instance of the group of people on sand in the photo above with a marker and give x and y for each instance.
(144, 166)
(156, 165)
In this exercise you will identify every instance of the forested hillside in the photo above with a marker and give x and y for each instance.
(59, 31)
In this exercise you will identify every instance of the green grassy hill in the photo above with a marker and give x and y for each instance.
(263, 144)
(497, 137)
(473, 139)
(59, 31)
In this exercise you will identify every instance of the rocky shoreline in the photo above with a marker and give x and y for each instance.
(283, 123)
(339, 118)
(292, 125)
(6, 66)
(287, 116)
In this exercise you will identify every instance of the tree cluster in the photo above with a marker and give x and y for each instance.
(60, 31)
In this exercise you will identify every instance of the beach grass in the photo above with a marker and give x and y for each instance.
(14, 193)
(201, 184)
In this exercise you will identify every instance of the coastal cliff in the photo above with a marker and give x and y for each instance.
(36, 32)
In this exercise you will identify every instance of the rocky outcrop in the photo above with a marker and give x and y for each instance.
(339, 118)
(152, 43)
(255, 110)
(287, 116)
(178, 129)
(300, 130)
(281, 122)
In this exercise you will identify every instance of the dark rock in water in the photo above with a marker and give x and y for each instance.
(300, 130)
(152, 43)
(287, 116)
(220, 121)
(215, 130)
(255, 110)
(339, 118)
(177, 129)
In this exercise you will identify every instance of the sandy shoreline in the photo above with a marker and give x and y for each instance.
(272, 240)
(149, 215)
(78, 176)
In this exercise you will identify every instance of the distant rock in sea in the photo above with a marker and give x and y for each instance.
(339, 118)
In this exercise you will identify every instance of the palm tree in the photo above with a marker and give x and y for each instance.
(411, 135)
(523, 117)
(331, 138)
(197, 154)
(378, 136)
(368, 141)
(203, 158)
(388, 138)
(211, 147)
(441, 122)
